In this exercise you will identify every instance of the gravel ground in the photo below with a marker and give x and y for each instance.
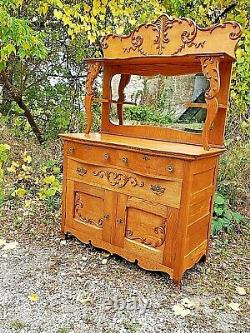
(82, 289)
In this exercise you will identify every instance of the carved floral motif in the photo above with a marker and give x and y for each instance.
(160, 231)
(118, 179)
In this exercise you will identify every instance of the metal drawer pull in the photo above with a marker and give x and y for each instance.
(71, 150)
(81, 171)
(119, 221)
(146, 157)
(125, 160)
(170, 168)
(157, 189)
(106, 156)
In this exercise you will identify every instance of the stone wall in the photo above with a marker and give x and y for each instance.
(169, 93)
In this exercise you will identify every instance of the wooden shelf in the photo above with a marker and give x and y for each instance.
(105, 100)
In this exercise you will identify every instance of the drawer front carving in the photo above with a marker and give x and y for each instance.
(165, 192)
(133, 161)
(118, 179)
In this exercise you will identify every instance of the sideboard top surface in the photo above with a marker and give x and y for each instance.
(178, 149)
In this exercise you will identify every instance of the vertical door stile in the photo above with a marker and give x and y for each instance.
(120, 220)
(110, 208)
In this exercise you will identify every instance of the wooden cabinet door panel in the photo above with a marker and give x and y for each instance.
(88, 210)
(142, 228)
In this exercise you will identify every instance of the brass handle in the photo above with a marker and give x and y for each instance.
(157, 189)
(106, 156)
(170, 168)
(81, 171)
(71, 150)
(146, 158)
(119, 221)
(125, 160)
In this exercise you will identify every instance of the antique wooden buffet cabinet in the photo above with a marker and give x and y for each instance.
(146, 192)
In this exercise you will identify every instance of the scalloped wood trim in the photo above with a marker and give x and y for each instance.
(173, 36)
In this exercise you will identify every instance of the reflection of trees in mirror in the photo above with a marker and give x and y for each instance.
(168, 101)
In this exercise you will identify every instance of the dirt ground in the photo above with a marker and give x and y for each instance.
(51, 286)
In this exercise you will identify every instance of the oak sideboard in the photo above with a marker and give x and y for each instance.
(146, 192)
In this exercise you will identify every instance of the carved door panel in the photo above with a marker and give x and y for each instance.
(145, 229)
(90, 210)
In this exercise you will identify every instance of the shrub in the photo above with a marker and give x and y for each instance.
(146, 114)
(223, 216)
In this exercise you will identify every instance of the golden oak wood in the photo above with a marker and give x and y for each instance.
(146, 192)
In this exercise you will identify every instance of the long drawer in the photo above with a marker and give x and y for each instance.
(166, 192)
(169, 168)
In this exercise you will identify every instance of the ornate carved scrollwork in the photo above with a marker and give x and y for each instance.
(93, 71)
(160, 231)
(172, 36)
(118, 179)
(210, 69)
(78, 206)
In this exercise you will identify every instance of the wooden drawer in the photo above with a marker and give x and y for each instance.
(146, 164)
(166, 192)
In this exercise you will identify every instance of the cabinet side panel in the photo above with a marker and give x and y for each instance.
(181, 227)
(201, 209)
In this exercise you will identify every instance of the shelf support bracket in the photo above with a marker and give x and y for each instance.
(210, 69)
(124, 81)
(93, 71)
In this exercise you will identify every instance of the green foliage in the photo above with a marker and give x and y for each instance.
(223, 217)
(146, 114)
(30, 185)
(234, 175)
(16, 35)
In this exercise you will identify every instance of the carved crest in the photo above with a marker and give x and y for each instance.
(173, 36)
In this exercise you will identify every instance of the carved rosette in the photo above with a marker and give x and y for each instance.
(159, 231)
(118, 179)
(78, 206)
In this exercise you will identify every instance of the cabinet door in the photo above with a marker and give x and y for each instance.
(90, 210)
(145, 229)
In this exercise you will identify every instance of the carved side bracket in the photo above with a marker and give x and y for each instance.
(210, 69)
(124, 81)
(93, 71)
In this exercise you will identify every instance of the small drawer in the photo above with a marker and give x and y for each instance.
(146, 164)
(165, 192)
